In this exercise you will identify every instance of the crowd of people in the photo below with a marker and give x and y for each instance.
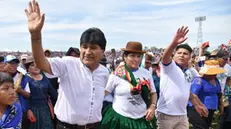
(89, 88)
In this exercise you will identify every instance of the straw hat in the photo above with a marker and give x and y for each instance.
(134, 47)
(211, 67)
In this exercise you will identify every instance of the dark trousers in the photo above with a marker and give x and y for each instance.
(25, 121)
(62, 125)
(227, 125)
(54, 121)
(223, 124)
(199, 122)
(221, 121)
(106, 104)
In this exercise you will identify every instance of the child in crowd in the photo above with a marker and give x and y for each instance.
(10, 111)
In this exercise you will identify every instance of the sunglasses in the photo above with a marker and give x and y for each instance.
(147, 62)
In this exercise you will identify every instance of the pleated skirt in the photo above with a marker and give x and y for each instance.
(113, 120)
(43, 118)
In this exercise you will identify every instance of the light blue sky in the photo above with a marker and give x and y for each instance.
(152, 22)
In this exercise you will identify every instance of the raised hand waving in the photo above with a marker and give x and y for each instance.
(180, 35)
(35, 19)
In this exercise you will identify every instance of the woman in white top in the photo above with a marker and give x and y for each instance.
(134, 93)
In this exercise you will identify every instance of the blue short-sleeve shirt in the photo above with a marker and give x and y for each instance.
(206, 92)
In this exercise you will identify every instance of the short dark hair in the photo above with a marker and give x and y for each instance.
(185, 46)
(28, 65)
(228, 79)
(93, 36)
(125, 53)
(4, 77)
(155, 64)
(72, 49)
(2, 58)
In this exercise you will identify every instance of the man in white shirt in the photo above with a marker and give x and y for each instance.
(82, 80)
(175, 85)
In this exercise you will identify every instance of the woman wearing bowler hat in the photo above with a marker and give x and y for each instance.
(134, 93)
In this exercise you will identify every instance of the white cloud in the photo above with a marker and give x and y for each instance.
(120, 20)
(175, 2)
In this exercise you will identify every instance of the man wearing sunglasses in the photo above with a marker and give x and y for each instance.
(222, 57)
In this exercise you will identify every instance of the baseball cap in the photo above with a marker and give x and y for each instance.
(29, 59)
(148, 58)
(10, 58)
(23, 56)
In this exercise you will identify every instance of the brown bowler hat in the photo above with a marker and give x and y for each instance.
(134, 47)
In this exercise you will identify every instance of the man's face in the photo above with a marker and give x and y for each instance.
(47, 54)
(91, 54)
(148, 64)
(11, 67)
(182, 57)
(222, 61)
(23, 61)
(2, 66)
